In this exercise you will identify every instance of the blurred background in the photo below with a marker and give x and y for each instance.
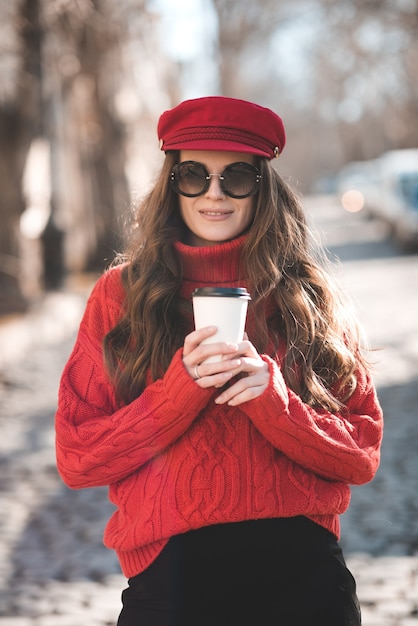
(82, 85)
(83, 82)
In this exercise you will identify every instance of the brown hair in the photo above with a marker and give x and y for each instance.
(281, 262)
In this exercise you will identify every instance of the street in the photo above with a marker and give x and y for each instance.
(383, 286)
(54, 570)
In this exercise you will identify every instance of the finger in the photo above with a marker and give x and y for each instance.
(246, 396)
(236, 394)
(205, 353)
(215, 380)
(198, 369)
(246, 348)
(211, 368)
(254, 365)
(195, 338)
(258, 381)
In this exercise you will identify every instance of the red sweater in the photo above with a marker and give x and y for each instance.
(175, 461)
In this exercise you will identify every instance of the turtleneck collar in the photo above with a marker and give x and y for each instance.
(219, 265)
(216, 264)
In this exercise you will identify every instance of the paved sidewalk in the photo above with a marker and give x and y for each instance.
(54, 570)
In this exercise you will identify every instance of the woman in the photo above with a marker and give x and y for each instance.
(228, 477)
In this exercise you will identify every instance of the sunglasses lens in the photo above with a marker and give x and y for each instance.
(189, 179)
(240, 180)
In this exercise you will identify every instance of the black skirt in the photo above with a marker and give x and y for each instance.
(278, 572)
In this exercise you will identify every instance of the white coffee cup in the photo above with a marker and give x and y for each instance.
(223, 307)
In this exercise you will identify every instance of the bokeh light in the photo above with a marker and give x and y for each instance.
(352, 200)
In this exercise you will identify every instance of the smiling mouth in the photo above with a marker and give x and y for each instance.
(215, 213)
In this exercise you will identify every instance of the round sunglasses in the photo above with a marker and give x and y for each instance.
(238, 180)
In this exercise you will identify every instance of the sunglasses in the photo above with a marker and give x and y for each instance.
(238, 180)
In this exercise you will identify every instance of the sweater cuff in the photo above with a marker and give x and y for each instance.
(182, 390)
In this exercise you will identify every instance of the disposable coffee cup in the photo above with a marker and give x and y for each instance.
(223, 307)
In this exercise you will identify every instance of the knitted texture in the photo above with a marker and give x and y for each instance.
(174, 460)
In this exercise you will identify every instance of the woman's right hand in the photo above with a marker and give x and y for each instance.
(210, 374)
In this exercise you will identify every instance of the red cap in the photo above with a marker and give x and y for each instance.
(220, 123)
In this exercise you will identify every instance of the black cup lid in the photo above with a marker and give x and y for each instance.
(223, 292)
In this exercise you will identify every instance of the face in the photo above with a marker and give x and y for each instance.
(215, 217)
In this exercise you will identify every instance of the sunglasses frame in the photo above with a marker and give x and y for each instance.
(251, 168)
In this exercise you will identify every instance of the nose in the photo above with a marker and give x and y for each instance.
(215, 189)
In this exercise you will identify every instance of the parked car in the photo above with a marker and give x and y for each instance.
(389, 186)
(355, 181)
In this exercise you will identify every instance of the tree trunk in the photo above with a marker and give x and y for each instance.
(18, 125)
(89, 187)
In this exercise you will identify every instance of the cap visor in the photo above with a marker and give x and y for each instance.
(218, 145)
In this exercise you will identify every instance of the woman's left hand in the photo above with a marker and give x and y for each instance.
(254, 377)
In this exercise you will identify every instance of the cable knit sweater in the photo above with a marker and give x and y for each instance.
(175, 461)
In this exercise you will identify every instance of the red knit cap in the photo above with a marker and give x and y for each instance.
(220, 123)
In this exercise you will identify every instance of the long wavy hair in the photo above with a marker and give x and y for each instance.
(281, 262)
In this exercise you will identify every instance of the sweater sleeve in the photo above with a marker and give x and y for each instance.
(339, 447)
(97, 444)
